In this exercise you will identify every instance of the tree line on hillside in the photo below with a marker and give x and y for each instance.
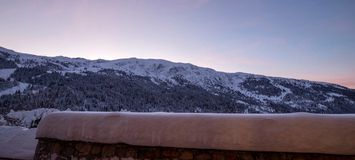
(104, 91)
(114, 90)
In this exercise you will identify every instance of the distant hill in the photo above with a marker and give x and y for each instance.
(150, 85)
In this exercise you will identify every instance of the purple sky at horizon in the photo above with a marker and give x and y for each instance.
(313, 40)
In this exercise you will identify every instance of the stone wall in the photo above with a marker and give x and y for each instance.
(55, 149)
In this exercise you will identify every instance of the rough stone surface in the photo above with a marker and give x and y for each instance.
(203, 156)
(108, 150)
(78, 146)
(231, 155)
(218, 155)
(55, 149)
(85, 149)
(120, 151)
(68, 151)
(131, 152)
(147, 154)
(247, 156)
(186, 155)
(96, 149)
(171, 153)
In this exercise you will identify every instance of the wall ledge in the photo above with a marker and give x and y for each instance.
(297, 132)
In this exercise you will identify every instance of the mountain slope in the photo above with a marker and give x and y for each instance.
(157, 85)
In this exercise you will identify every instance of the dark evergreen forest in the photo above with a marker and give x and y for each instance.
(114, 90)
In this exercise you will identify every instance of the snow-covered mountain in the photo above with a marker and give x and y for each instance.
(24, 73)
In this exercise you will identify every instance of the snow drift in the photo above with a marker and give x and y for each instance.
(297, 132)
(17, 142)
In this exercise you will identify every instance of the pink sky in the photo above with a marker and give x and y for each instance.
(312, 40)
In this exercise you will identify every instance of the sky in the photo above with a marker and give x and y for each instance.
(302, 39)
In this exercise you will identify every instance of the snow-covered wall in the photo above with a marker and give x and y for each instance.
(298, 132)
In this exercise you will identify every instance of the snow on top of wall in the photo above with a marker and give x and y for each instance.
(300, 132)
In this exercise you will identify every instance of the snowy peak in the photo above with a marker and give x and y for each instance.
(259, 93)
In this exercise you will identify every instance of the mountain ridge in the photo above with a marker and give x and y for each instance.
(152, 59)
(255, 93)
